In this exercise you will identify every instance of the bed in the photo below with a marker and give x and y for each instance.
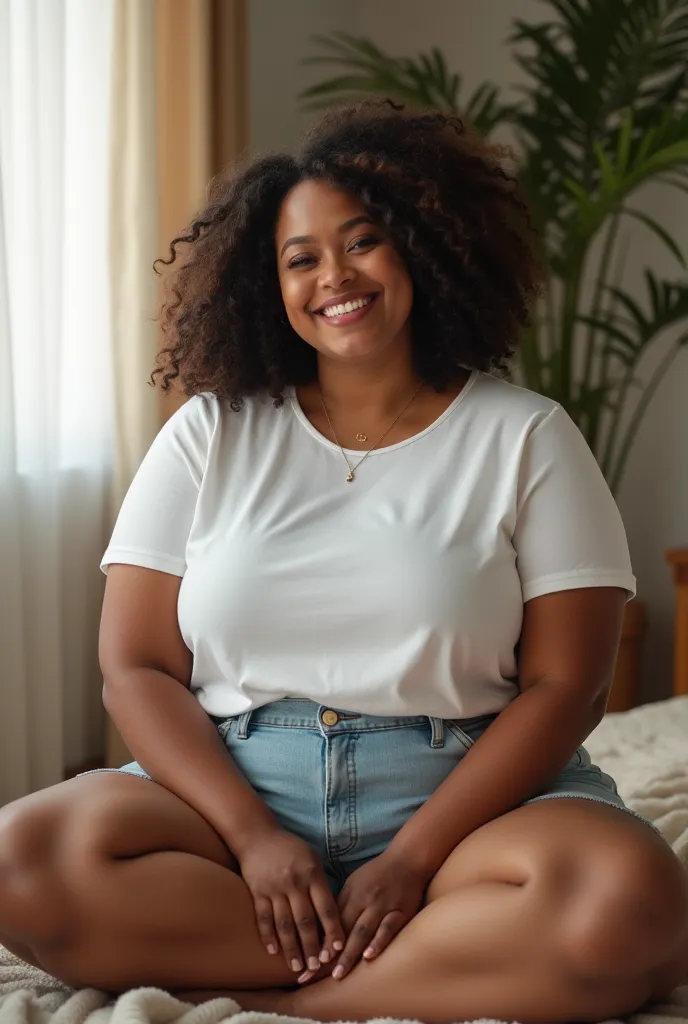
(645, 749)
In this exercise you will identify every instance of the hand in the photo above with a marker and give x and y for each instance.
(291, 897)
(375, 904)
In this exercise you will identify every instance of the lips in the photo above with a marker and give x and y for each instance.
(345, 303)
(348, 312)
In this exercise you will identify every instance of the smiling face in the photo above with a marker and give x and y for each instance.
(345, 288)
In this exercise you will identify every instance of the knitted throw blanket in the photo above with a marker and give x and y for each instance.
(646, 750)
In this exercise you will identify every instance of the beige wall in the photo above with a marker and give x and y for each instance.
(472, 33)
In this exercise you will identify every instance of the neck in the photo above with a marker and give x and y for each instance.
(377, 390)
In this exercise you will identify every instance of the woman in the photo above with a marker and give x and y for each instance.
(362, 608)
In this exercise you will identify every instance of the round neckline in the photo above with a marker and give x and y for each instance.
(356, 452)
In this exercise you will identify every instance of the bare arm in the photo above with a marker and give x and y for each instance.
(147, 670)
(568, 650)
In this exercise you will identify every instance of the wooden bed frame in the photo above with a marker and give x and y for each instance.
(678, 560)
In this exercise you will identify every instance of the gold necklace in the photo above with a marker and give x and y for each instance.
(352, 469)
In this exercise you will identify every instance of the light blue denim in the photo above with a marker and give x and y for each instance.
(347, 788)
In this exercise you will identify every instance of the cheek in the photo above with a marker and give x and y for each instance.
(402, 287)
(294, 297)
(392, 273)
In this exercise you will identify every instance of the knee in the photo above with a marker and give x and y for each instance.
(629, 914)
(30, 893)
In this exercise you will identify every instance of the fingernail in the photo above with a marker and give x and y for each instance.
(338, 945)
(296, 965)
(369, 952)
(313, 963)
(338, 972)
(325, 956)
(306, 976)
(272, 949)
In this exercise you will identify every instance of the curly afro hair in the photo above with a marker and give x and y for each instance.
(447, 200)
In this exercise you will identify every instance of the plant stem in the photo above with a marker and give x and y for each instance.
(641, 408)
(568, 328)
(529, 356)
(596, 309)
(551, 317)
(604, 368)
(624, 386)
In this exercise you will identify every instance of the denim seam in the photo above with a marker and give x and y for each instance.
(436, 733)
(461, 736)
(328, 791)
(117, 771)
(224, 727)
(350, 761)
(353, 794)
(333, 731)
(593, 799)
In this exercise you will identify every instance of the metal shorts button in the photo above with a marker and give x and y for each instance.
(330, 717)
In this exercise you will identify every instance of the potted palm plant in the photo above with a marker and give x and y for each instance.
(604, 111)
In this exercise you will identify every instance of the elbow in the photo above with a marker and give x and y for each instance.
(113, 685)
(106, 695)
(599, 703)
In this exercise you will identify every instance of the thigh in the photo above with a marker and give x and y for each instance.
(108, 814)
(615, 894)
(567, 838)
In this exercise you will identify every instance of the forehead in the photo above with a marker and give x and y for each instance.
(315, 208)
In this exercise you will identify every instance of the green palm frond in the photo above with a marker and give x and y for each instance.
(423, 81)
(626, 336)
(619, 174)
(603, 112)
(589, 66)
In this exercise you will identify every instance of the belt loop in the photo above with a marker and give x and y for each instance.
(437, 726)
(242, 725)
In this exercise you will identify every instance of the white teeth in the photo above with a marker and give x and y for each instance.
(346, 307)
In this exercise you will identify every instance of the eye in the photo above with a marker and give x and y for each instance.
(363, 243)
(300, 261)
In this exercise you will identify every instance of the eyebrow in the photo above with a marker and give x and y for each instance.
(307, 239)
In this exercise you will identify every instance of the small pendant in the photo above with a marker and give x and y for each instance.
(361, 437)
(349, 478)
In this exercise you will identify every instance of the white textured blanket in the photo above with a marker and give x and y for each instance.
(646, 750)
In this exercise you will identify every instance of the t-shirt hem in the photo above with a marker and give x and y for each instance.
(577, 580)
(146, 559)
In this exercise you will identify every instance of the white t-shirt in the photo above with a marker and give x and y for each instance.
(399, 594)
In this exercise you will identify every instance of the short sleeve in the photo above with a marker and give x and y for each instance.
(569, 533)
(154, 521)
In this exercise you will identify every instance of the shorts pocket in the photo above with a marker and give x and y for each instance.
(468, 730)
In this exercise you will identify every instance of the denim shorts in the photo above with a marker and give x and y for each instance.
(346, 783)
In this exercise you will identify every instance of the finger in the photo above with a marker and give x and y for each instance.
(287, 934)
(343, 898)
(307, 928)
(265, 920)
(350, 913)
(360, 937)
(390, 926)
(328, 913)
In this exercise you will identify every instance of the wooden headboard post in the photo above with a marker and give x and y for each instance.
(678, 559)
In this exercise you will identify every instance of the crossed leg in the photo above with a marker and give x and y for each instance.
(562, 910)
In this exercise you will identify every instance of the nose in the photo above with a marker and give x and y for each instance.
(335, 271)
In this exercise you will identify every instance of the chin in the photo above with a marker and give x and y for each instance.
(350, 348)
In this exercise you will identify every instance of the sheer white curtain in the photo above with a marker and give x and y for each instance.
(56, 407)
